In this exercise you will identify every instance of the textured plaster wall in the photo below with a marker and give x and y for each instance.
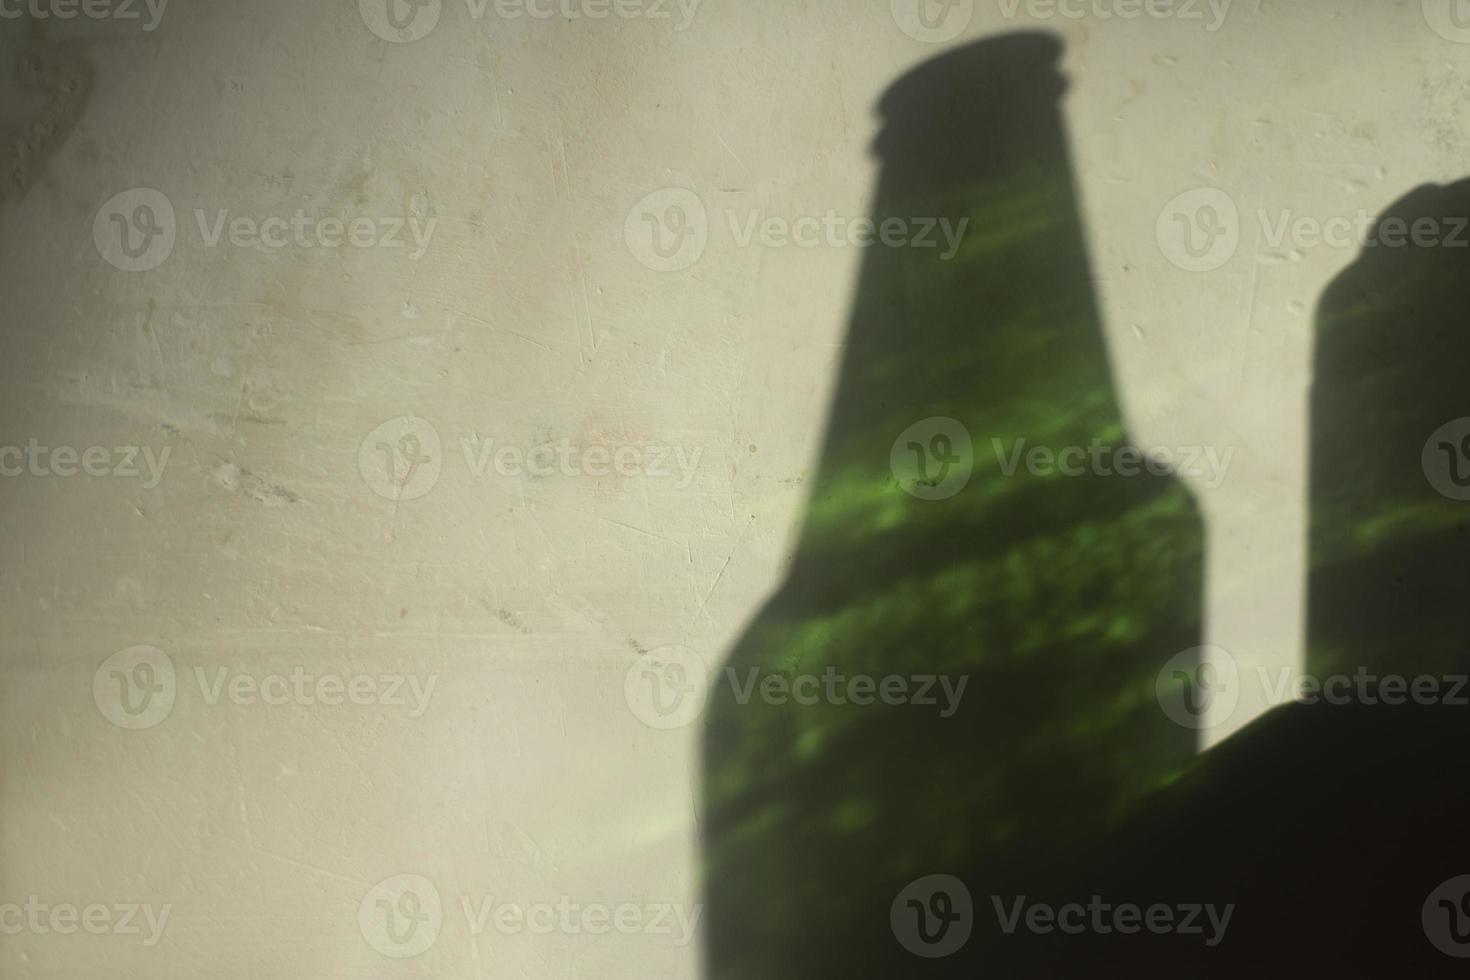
(538, 312)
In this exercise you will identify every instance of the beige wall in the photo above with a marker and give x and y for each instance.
(537, 313)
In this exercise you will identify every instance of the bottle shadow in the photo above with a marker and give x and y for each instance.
(1015, 615)
(980, 679)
